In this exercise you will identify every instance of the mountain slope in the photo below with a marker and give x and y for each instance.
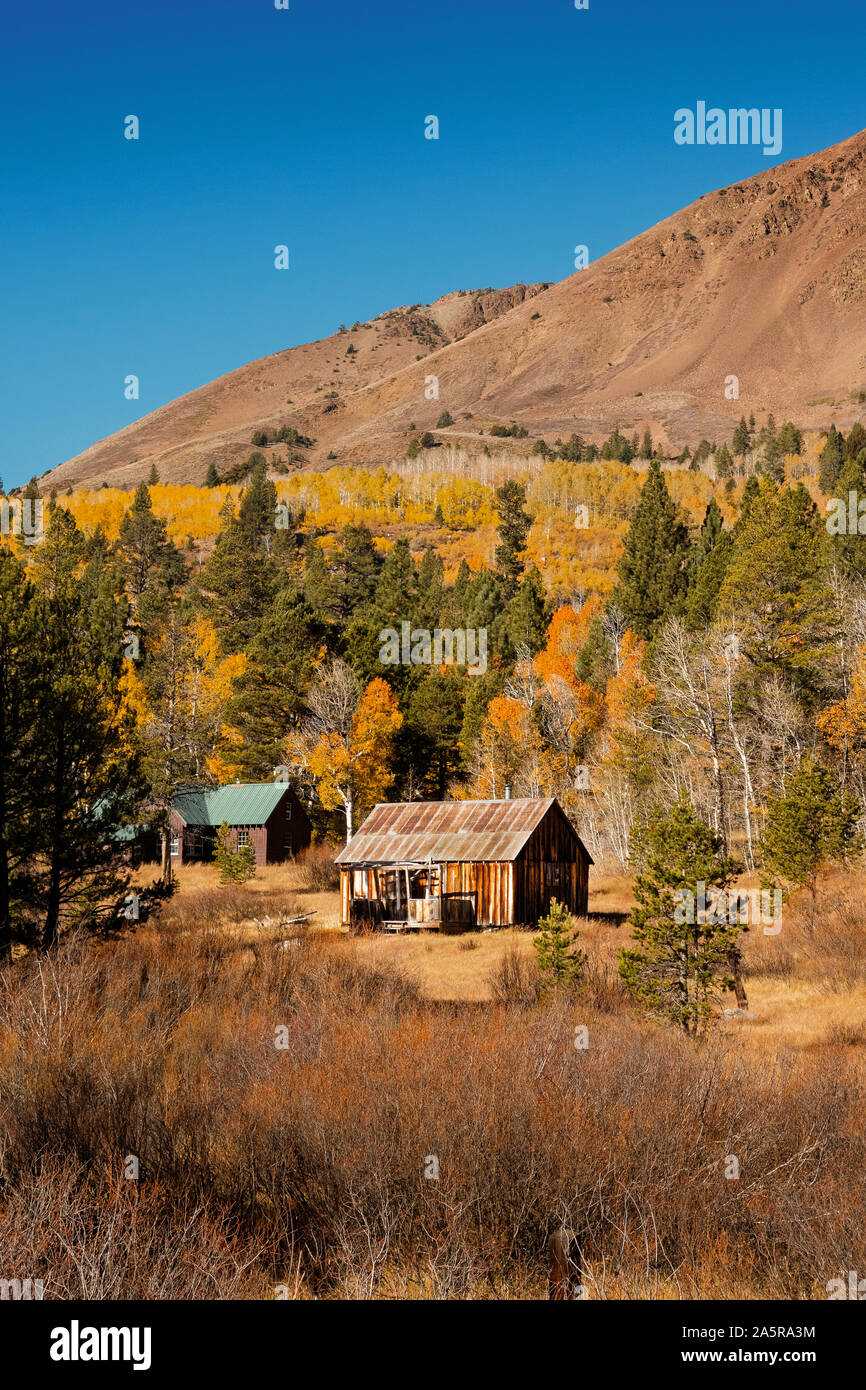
(764, 280)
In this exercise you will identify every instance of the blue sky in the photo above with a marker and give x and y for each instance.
(306, 127)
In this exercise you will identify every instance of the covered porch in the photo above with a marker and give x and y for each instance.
(403, 897)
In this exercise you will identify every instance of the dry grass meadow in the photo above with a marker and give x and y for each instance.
(281, 1107)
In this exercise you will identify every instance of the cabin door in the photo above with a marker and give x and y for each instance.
(555, 884)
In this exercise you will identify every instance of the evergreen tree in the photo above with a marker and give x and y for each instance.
(484, 606)
(58, 559)
(855, 443)
(237, 584)
(360, 645)
(677, 967)
(355, 570)
(790, 439)
(431, 587)
(573, 451)
(724, 463)
(513, 528)
(427, 755)
(233, 866)
(480, 691)
(705, 581)
(212, 478)
(652, 567)
(830, 461)
(151, 564)
(702, 602)
(773, 465)
(848, 548)
(396, 597)
(750, 492)
(20, 648)
(462, 588)
(153, 477)
(267, 699)
(594, 665)
(741, 442)
(710, 534)
(258, 509)
(774, 586)
(811, 824)
(318, 584)
(616, 446)
(560, 963)
(87, 776)
(646, 448)
(528, 614)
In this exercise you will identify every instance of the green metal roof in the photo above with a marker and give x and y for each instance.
(243, 803)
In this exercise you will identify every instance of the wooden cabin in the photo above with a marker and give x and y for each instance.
(462, 864)
(267, 816)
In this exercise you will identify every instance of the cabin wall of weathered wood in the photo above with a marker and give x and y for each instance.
(511, 893)
(551, 865)
(491, 885)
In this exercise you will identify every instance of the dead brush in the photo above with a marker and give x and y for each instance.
(306, 1163)
(91, 1234)
(769, 959)
(843, 1034)
(514, 981)
(315, 870)
(828, 933)
(602, 987)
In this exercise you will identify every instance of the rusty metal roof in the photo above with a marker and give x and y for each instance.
(413, 832)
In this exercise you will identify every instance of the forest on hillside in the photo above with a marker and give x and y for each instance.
(720, 658)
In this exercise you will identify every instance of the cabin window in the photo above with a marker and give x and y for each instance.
(243, 837)
(359, 887)
(175, 845)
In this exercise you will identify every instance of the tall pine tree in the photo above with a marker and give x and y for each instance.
(652, 568)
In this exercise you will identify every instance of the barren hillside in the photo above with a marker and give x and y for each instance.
(765, 280)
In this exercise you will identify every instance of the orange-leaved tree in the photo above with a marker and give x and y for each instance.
(346, 744)
(844, 726)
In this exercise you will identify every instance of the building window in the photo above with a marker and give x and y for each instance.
(243, 837)
(360, 884)
(175, 845)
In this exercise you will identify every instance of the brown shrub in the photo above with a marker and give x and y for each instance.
(316, 871)
(286, 1107)
(828, 932)
(514, 981)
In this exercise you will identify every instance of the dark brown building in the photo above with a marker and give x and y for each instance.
(266, 815)
(462, 864)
